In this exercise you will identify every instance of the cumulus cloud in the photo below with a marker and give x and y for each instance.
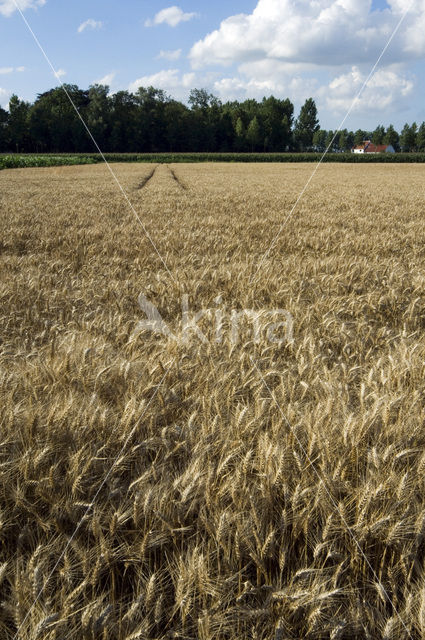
(90, 24)
(170, 55)
(387, 90)
(172, 16)
(390, 89)
(319, 48)
(4, 97)
(317, 33)
(177, 83)
(169, 80)
(7, 7)
(260, 85)
(108, 79)
(60, 73)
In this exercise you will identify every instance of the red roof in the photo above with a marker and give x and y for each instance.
(363, 145)
(372, 148)
(369, 147)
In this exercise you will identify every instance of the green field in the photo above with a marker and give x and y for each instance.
(16, 161)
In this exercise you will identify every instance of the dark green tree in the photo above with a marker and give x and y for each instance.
(18, 125)
(408, 137)
(253, 134)
(177, 117)
(151, 123)
(240, 141)
(350, 140)
(276, 117)
(319, 140)
(250, 108)
(345, 140)
(420, 138)
(306, 125)
(359, 137)
(225, 133)
(330, 142)
(201, 99)
(98, 115)
(123, 121)
(40, 122)
(54, 123)
(206, 110)
(391, 137)
(3, 130)
(213, 124)
(286, 125)
(378, 135)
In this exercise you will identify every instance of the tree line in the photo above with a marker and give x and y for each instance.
(410, 139)
(150, 121)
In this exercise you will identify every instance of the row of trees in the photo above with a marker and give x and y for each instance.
(411, 138)
(151, 121)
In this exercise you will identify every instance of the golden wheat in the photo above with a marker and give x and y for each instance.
(226, 516)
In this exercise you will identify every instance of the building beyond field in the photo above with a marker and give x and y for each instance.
(367, 146)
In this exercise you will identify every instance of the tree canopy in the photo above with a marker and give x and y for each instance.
(149, 120)
(306, 125)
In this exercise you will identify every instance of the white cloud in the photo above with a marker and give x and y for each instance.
(4, 97)
(7, 7)
(172, 16)
(387, 90)
(166, 79)
(60, 73)
(314, 32)
(90, 24)
(4, 70)
(108, 79)
(170, 55)
(319, 48)
(171, 80)
(265, 78)
(390, 89)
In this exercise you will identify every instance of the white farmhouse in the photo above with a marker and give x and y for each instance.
(367, 146)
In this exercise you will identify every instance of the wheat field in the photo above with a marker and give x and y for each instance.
(152, 488)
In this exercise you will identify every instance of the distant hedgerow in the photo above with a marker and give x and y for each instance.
(24, 161)
(47, 160)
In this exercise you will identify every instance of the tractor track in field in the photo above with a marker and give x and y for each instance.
(146, 179)
(177, 179)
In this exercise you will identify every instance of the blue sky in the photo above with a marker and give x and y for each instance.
(236, 49)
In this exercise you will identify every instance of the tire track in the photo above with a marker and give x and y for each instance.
(146, 179)
(177, 179)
